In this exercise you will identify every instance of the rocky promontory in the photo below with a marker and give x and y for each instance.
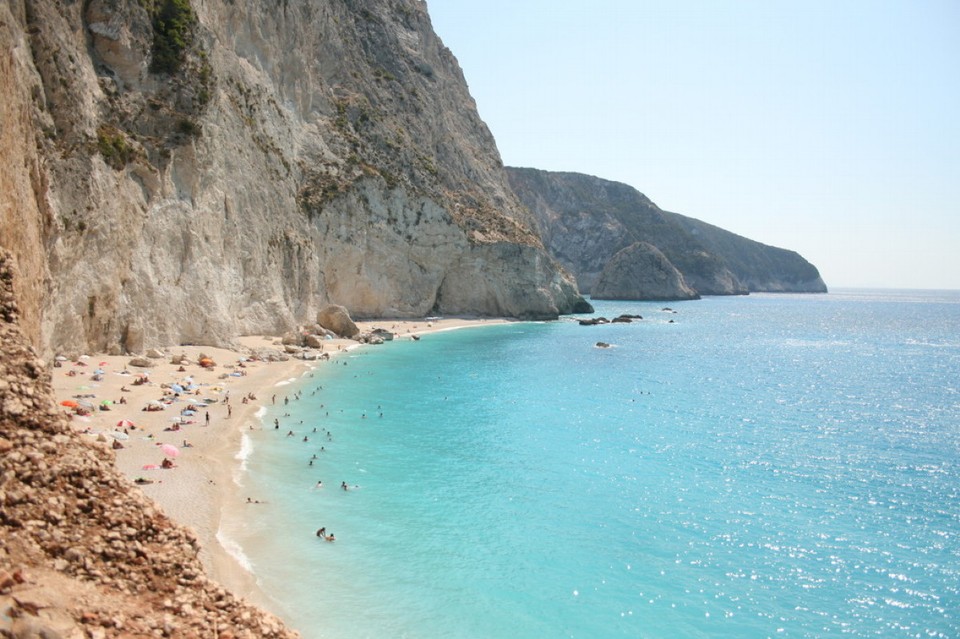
(641, 272)
(586, 221)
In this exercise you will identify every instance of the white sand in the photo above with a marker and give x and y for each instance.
(199, 490)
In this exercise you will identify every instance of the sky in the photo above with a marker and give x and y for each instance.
(831, 128)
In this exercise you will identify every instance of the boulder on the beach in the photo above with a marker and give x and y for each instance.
(140, 362)
(336, 318)
(114, 350)
(269, 355)
(155, 353)
(313, 341)
(292, 338)
(291, 348)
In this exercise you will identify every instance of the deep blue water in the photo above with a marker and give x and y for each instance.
(764, 466)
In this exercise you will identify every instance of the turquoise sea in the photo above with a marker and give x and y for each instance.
(761, 466)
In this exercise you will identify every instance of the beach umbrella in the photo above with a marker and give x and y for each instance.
(69, 403)
(125, 423)
(107, 402)
(176, 388)
(60, 358)
(99, 371)
(170, 450)
(188, 413)
(117, 434)
(85, 404)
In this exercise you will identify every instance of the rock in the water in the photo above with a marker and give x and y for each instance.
(641, 272)
(594, 321)
(336, 318)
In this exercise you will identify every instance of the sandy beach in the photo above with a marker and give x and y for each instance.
(197, 417)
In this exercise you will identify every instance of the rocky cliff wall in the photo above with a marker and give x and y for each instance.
(24, 216)
(585, 221)
(188, 171)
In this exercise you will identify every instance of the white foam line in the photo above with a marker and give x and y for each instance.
(234, 550)
(246, 449)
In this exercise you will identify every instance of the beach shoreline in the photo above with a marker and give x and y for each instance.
(200, 491)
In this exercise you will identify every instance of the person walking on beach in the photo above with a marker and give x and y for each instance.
(207, 417)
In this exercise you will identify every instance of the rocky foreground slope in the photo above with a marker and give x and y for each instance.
(82, 552)
(183, 171)
(587, 223)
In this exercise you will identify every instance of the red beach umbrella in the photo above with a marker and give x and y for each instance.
(170, 450)
(125, 423)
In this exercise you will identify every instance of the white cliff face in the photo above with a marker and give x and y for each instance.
(302, 153)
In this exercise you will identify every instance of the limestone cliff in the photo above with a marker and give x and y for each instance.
(585, 221)
(186, 171)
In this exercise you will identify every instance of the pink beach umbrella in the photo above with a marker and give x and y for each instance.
(170, 450)
(125, 423)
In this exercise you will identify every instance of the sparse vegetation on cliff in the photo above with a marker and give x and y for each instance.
(114, 147)
(173, 26)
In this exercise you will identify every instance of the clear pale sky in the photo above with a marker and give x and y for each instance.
(831, 128)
